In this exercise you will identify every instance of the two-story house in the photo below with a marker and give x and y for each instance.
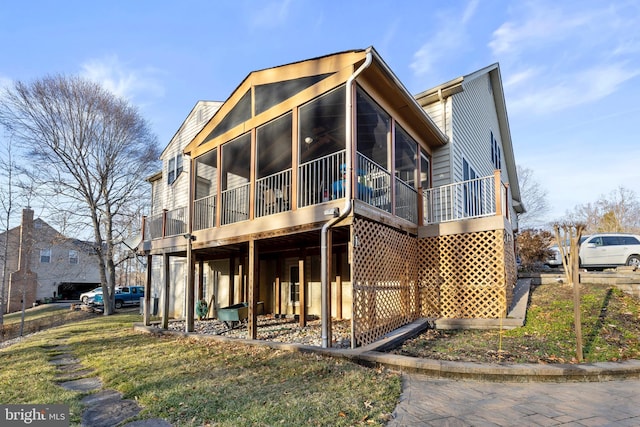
(324, 187)
(42, 264)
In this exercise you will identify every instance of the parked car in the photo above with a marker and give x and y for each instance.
(126, 295)
(86, 296)
(555, 258)
(607, 250)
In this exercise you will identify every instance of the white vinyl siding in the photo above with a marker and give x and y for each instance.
(441, 160)
(473, 121)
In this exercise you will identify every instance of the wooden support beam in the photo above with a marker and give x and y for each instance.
(165, 291)
(253, 289)
(339, 285)
(278, 289)
(497, 181)
(302, 281)
(328, 290)
(190, 291)
(232, 280)
(200, 279)
(147, 293)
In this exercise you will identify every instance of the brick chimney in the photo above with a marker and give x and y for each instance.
(23, 283)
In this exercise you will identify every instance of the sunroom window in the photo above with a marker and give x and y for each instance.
(406, 162)
(373, 126)
(273, 180)
(240, 113)
(204, 215)
(321, 139)
(236, 173)
(268, 95)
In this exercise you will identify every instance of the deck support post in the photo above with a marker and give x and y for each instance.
(190, 291)
(253, 289)
(232, 280)
(165, 291)
(302, 287)
(338, 285)
(147, 293)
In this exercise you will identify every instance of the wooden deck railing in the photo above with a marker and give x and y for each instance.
(321, 180)
(167, 223)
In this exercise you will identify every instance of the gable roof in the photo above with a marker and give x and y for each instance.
(454, 86)
(302, 81)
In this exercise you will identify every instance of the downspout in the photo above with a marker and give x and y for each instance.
(324, 249)
(443, 102)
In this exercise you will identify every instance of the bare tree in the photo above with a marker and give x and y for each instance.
(7, 199)
(617, 212)
(87, 145)
(534, 199)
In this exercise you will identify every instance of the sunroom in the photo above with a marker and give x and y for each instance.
(299, 159)
(326, 161)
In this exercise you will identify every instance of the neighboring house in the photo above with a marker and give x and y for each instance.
(43, 264)
(323, 187)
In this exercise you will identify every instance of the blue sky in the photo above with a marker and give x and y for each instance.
(570, 69)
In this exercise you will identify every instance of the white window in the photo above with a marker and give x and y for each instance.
(174, 168)
(45, 255)
(73, 257)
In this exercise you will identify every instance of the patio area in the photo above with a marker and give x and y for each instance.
(278, 329)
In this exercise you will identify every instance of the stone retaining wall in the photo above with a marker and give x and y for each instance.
(627, 279)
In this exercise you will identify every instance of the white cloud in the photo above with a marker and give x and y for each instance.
(433, 51)
(562, 55)
(447, 39)
(538, 25)
(470, 11)
(116, 77)
(521, 77)
(581, 87)
(270, 15)
(5, 82)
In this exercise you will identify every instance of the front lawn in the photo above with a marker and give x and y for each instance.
(610, 331)
(193, 383)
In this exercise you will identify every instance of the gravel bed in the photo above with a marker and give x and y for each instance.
(270, 328)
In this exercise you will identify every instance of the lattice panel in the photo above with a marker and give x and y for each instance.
(511, 270)
(385, 275)
(464, 275)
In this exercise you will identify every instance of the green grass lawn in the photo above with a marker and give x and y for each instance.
(191, 382)
(610, 331)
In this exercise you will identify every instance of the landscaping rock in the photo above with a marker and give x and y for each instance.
(109, 413)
